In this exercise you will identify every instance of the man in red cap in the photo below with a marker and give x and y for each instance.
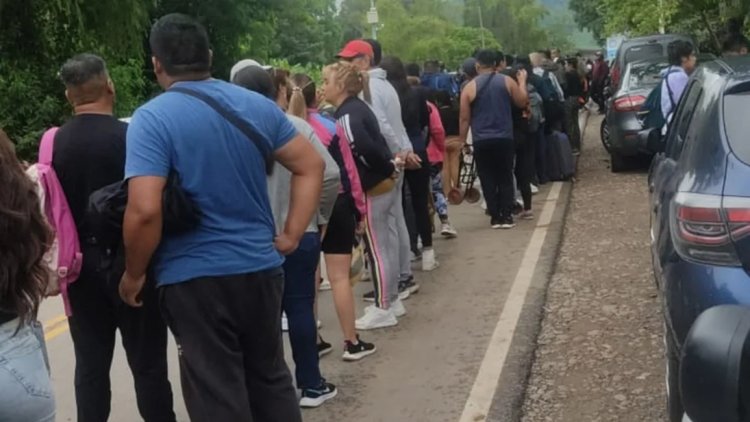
(382, 96)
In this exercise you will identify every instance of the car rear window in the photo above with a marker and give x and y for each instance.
(644, 52)
(737, 124)
(647, 76)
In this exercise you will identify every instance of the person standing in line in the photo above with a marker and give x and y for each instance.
(357, 125)
(574, 91)
(300, 266)
(89, 153)
(486, 111)
(349, 210)
(382, 97)
(23, 282)
(229, 267)
(416, 118)
(599, 76)
(524, 147)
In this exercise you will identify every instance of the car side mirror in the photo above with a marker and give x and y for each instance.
(710, 368)
(652, 139)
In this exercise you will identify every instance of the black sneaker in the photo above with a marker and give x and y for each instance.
(496, 223)
(507, 223)
(314, 397)
(369, 296)
(323, 347)
(409, 285)
(355, 352)
(403, 291)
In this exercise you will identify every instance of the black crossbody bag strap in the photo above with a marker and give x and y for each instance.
(246, 128)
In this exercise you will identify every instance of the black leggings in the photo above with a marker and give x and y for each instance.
(419, 187)
(524, 171)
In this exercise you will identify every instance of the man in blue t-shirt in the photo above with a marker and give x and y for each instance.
(221, 283)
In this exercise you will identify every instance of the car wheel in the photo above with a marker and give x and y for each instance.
(604, 134)
(618, 163)
(675, 410)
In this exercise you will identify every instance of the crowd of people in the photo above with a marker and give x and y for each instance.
(234, 190)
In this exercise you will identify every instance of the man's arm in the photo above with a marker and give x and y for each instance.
(143, 222)
(306, 165)
(467, 96)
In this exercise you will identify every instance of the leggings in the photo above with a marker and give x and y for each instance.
(382, 243)
(419, 187)
(438, 196)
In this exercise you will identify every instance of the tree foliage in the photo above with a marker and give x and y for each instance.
(705, 20)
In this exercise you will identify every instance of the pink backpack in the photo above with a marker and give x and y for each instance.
(64, 257)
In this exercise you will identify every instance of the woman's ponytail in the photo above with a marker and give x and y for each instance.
(297, 104)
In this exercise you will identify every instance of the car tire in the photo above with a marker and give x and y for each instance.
(618, 163)
(604, 135)
(675, 410)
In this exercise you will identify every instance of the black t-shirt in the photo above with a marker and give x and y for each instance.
(89, 154)
(573, 84)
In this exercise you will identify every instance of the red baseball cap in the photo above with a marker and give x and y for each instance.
(356, 48)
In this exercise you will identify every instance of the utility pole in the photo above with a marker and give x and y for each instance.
(481, 21)
(372, 19)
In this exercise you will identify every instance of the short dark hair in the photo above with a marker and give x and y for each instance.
(509, 60)
(82, 68)
(377, 51)
(499, 57)
(256, 79)
(413, 69)
(486, 58)
(181, 44)
(678, 50)
(734, 43)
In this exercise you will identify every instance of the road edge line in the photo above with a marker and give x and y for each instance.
(479, 402)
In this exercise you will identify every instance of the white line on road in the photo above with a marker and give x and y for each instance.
(480, 399)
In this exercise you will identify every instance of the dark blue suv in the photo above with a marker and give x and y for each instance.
(700, 205)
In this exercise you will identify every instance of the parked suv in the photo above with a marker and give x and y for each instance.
(652, 47)
(700, 206)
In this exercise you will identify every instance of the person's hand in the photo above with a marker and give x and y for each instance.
(467, 149)
(413, 162)
(399, 161)
(360, 228)
(130, 289)
(522, 76)
(285, 244)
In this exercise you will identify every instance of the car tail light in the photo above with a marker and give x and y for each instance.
(705, 226)
(629, 103)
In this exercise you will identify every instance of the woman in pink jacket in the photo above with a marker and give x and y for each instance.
(436, 154)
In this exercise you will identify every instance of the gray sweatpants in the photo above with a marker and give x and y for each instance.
(404, 242)
(382, 241)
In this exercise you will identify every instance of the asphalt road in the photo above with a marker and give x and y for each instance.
(488, 291)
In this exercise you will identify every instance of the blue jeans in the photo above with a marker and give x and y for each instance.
(298, 304)
(25, 390)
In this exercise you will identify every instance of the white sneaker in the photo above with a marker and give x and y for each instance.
(534, 189)
(325, 285)
(375, 318)
(428, 260)
(448, 231)
(484, 205)
(398, 308)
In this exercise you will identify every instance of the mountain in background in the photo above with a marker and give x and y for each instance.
(561, 15)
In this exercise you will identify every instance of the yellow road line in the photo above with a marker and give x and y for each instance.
(55, 326)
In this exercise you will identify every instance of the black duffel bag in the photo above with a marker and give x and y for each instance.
(106, 210)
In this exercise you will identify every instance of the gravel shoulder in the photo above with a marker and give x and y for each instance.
(600, 352)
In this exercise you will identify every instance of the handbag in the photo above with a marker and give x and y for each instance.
(385, 186)
(106, 210)
(358, 264)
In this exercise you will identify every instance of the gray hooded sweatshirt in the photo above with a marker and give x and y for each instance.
(387, 108)
(280, 183)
